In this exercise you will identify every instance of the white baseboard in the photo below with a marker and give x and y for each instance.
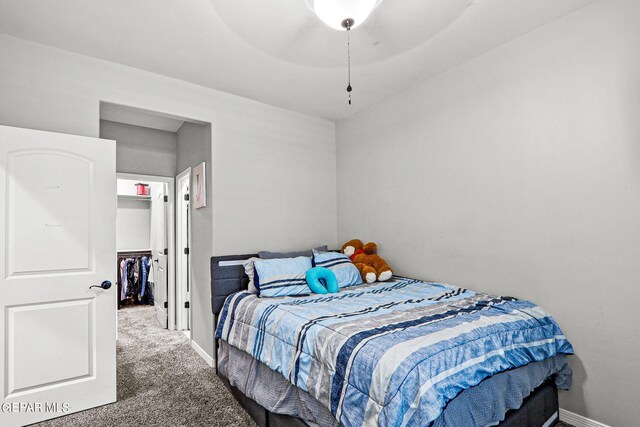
(578, 420)
(202, 353)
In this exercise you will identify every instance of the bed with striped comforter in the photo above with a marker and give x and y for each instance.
(392, 353)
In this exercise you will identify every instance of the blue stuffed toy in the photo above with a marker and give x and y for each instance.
(321, 280)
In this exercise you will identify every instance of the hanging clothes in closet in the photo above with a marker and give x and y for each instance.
(133, 278)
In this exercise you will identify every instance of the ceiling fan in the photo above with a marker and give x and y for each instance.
(305, 33)
(344, 15)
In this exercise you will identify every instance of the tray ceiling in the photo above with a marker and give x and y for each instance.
(278, 52)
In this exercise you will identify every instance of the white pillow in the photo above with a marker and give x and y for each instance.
(250, 269)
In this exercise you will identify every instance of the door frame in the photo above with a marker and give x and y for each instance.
(171, 240)
(183, 293)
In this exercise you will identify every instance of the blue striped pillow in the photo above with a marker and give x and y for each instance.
(346, 273)
(282, 276)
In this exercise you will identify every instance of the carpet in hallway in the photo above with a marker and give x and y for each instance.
(162, 381)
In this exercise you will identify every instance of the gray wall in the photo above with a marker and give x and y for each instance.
(264, 159)
(142, 150)
(194, 147)
(518, 173)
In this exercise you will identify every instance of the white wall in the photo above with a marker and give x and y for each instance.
(264, 159)
(133, 225)
(518, 173)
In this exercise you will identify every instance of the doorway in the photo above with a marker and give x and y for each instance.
(153, 148)
(145, 228)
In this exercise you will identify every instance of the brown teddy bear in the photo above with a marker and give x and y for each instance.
(371, 265)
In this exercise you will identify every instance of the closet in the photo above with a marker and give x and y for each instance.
(134, 280)
(141, 230)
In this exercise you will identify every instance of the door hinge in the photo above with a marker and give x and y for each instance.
(186, 197)
(186, 304)
(166, 199)
(166, 304)
(186, 251)
(166, 251)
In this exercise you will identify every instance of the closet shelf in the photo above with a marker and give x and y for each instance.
(134, 197)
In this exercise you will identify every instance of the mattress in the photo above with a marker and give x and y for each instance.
(392, 353)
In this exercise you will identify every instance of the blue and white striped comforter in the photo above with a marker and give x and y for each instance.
(392, 353)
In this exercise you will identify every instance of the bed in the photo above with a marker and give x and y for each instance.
(402, 352)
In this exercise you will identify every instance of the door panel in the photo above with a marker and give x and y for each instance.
(57, 237)
(33, 332)
(60, 176)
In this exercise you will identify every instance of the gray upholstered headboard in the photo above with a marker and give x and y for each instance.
(227, 277)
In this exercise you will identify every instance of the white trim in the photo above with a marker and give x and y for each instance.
(202, 353)
(578, 420)
(230, 263)
(183, 316)
(142, 177)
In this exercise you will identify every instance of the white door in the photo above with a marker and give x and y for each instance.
(183, 320)
(57, 226)
(160, 248)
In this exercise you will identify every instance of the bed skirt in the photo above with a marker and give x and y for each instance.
(273, 401)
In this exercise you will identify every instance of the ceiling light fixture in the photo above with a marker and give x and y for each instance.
(344, 15)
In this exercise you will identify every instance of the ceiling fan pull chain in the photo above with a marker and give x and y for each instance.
(349, 89)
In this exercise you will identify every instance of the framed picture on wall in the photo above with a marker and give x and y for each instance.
(200, 186)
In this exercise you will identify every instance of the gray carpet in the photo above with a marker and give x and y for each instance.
(161, 382)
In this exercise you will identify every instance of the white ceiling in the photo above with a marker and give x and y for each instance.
(278, 52)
